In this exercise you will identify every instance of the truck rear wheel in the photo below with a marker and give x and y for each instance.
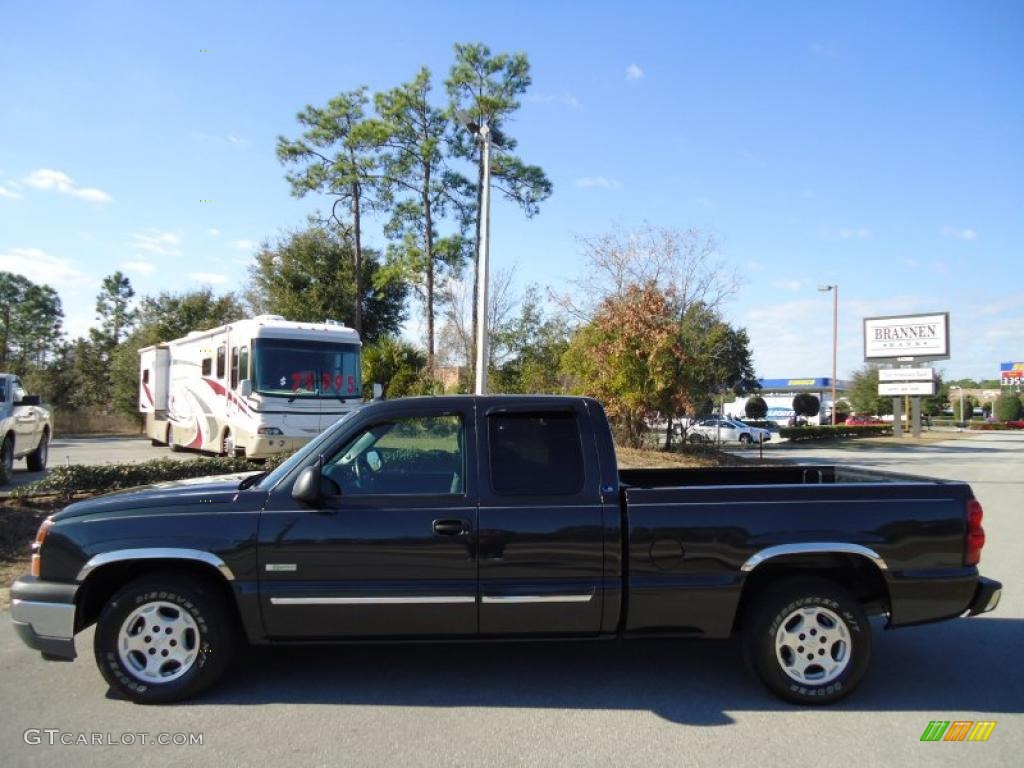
(807, 640)
(162, 638)
(36, 460)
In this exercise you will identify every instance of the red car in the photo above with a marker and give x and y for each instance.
(863, 421)
(1019, 424)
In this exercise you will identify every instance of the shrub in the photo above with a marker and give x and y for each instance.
(828, 432)
(756, 407)
(806, 404)
(1008, 407)
(66, 481)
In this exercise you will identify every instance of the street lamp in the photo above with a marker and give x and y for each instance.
(486, 136)
(835, 339)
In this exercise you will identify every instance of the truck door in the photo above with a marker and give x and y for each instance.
(541, 549)
(391, 549)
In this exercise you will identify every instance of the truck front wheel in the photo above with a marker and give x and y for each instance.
(807, 640)
(162, 638)
(37, 459)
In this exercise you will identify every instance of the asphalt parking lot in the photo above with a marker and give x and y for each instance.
(652, 703)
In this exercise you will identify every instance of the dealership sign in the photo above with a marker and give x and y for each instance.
(921, 337)
(1011, 374)
(907, 388)
(906, 374)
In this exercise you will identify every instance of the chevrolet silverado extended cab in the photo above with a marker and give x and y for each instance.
(476, 518)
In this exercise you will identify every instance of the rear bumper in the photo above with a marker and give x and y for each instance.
(986, 596)
(43, 615)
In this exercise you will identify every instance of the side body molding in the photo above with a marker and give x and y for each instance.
(155, 553)
(813, 547)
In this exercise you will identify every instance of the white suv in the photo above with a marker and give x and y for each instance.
(711, 429)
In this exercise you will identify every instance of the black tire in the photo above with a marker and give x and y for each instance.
(213, 638)
(764, 620)
(175, 448)
(7, 455)
(746, 439)
(37, 459)
(695, 439)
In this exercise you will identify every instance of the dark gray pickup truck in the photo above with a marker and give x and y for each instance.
(476, 518)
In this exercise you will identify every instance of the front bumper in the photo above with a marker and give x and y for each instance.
(986, 596)
(265, 446)
(43, 615)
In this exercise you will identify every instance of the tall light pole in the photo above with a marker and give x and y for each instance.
(835, 340)
(486, 136)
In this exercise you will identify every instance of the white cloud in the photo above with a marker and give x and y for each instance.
(156, 241)
(140, 266)
(46, 178)
(244, 245)
(8, 193)
(237, 140)
(213, 231)
(212, 278)
(824, 50)
(860, 233)
(960, 234)
(788, 285)
(597, 182)
(40, 267)
(565, 98)
(634, 72)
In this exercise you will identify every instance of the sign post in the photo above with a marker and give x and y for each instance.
(908, 339)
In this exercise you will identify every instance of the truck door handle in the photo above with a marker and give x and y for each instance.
(450, 527)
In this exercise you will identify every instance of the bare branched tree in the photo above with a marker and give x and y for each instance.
(686, 262)
(456, 347)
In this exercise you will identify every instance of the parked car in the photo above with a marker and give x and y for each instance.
(25, 426)
(711, 429)
(863, 421)
(497, 518)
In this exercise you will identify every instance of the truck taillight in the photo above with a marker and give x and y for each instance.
(975, 533)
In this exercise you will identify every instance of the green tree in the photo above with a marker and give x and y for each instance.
(338, 155)
(1007, 407)
(806, 404)
(864, 395)
(485, 88)
(527, 350)
(396, 365)
(416, 176)
(308, 275)
(30, 323)
(114, 311)
(756, 407)
(968, 407)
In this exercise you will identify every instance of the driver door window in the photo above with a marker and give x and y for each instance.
(414, 456)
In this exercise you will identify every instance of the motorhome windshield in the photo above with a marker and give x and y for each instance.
(299, 368)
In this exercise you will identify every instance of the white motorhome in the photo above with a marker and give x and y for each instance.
(254, 387)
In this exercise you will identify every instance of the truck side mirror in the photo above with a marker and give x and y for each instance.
(245, 387)
(378, 391)
(307, 485)
(29, 400)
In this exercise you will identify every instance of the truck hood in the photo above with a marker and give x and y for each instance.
(197, 491)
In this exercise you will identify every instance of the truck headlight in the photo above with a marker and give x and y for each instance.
(41, 534)
(269, 431)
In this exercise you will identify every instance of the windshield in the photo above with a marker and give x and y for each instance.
(312, 448)
(306, 369)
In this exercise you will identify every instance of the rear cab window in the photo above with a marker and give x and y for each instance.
(535, 454)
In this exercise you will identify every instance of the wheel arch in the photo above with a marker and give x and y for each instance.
(857, 569)
(105, 574)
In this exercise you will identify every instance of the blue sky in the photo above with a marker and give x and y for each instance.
(874, 145)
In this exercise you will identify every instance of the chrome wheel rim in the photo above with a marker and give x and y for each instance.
(44, 447)
(813, 645)
(158, 642)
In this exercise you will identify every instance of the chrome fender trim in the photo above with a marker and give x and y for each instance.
(155, 553)
(814, 547)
